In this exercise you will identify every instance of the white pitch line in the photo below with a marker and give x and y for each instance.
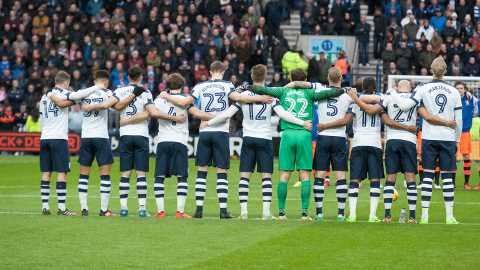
(30, 213)
(22, 196)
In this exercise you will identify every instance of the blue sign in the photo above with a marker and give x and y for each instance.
(330, 46)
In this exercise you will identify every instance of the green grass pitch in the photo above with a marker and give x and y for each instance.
(31, 241)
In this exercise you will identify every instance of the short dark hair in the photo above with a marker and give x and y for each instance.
(101, 74)
(298, 75)
(62, 77)
(217, 67)
(135, 73)
(175, 81)
(368, 85)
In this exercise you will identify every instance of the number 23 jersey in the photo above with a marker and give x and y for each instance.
(136, 106)
(212, 97)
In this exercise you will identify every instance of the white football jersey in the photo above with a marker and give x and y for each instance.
(257, 119)
(53, 118)
(440, 99)
(136, 106)
(408, 118)
(333, 109)
(95, 123)
(170, 131)
(212, 97)
(366, 128)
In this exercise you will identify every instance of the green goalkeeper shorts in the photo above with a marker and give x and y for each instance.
(295, 150)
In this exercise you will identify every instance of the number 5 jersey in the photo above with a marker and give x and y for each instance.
(135, 107)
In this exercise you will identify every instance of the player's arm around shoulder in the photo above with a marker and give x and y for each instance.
(368, 108)
(434, 119)
(107, 104)
(223, 117)
(60, 99)
(325, 93)
(178, 100)
(287, 116)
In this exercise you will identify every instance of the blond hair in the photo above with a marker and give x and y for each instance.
(259, 73)
(438, 67)
(404, 86)
(334, 75)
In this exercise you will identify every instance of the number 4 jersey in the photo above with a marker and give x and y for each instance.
(212, 97)
(170, 131)
(136, 106)
(53, 118)
(95, 123)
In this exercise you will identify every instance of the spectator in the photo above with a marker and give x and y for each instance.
(426, 57)
(403, 56)
(7, 118)
(342, 64)
(425, 30)
(33, 122)
(471, 67)
(379, 35)
(456, 66)
(362, 31)
(318, 67)
(438, 21)
(411, 28)
(292, 60)
(388, 55)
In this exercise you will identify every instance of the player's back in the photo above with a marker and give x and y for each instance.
(171, 131)
(333, 109)
(136, 106)
(442, 100)
(53, 118)
(408, 118)
(366, 128)
(256, 119)
(95, 123)
(299, 103)
(212, 97)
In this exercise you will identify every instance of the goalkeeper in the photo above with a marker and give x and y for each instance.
(296, 142)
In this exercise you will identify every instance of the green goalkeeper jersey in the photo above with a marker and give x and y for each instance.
(297, 101)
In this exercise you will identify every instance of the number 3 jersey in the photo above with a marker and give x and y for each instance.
(366, 128)
(95, 123)
(136, 106)
(53, 118)
(212, 97)
(440, 99)
(408, 118)
(170, 131)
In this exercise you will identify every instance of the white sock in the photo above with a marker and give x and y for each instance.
(160, 204)
(373, 206)
(105, 189)
(424, 213)
(266, 209)
(448, 210)
(352, 204)
(181, 203)
(243, 208)
(83, 191)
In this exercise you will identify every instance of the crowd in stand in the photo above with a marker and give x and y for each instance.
(40, 37)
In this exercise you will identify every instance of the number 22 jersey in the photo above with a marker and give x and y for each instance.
(136, 106)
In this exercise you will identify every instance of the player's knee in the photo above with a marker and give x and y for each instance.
(126, 174)
(105, 169)
(46, 176)
(141, 174)
(284, 176)
(84, 170)
(220, 170)
(266, 175)
(245, 174)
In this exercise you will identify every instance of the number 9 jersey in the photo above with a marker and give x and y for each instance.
(212, 97)
(442, 100)
(136, 106)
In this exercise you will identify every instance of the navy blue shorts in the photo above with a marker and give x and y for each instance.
(330, 150)
(99, 148)
(134, 153)
(54, 155)
(400, 157)
(172, 159)
(256, 151)
(213, 149)
(366, 161)
(443, 151)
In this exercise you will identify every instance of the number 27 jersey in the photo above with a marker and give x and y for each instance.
(408, 118)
